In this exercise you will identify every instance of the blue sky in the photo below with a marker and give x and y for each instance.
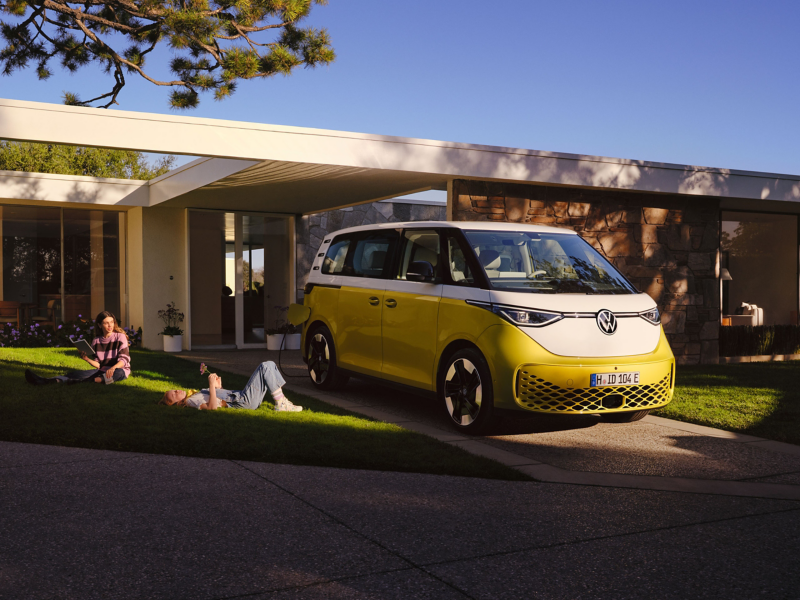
(700, 83)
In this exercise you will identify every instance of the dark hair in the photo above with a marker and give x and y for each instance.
(98, 323)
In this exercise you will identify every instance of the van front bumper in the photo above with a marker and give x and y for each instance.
(527, 377)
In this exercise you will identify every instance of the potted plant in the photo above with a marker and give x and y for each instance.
(173, 335)
(275, 334)
(293, 335)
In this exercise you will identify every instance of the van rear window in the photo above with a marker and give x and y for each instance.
(334, 258)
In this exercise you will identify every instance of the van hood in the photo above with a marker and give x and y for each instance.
(579, 334)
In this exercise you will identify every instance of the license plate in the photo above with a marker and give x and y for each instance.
(603, 379)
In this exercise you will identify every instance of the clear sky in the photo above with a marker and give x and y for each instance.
(702, 83)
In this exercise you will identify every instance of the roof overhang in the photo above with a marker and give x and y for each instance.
(252, 166)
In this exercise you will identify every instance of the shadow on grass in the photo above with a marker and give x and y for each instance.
(761, 399)
(126, 417)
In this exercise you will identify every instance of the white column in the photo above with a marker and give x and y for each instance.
(238, 232)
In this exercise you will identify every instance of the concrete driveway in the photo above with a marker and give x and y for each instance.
(89, 524)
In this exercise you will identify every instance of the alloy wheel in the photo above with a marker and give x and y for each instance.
(319, 358)
(463, 391)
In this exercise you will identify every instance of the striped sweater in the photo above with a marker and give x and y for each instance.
(112, 349)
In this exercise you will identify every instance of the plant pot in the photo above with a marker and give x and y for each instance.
(292, 341)
(274, 341)
(173, 343)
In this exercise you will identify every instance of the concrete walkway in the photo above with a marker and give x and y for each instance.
(91, 524)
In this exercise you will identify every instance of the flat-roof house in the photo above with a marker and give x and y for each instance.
(228, 236)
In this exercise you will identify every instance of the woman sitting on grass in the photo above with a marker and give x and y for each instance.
(111, 347)
(266, 378)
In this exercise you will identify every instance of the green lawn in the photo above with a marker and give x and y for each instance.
(761, 399)
(125, 416)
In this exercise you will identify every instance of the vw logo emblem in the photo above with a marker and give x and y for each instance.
(607, 322)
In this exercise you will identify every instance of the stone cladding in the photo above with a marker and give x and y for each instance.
(666, 244)
(312, 229)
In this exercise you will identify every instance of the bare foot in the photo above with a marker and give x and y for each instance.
(98, 380)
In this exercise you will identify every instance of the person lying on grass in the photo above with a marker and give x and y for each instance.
(266, 378)
(111, 347)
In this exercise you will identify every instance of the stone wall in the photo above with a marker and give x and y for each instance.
(312, 229)
(666, 244)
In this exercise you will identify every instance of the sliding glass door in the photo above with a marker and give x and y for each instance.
(240, 277)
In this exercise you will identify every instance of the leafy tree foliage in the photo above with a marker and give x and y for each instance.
(216, 42)
(75, 160)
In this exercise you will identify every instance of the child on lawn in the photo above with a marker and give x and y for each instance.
(266, 378)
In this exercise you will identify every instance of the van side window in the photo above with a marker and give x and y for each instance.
(370, 255)
(419, 244)
(334, 258)
(459, 267)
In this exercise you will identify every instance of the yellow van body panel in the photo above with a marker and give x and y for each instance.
(409, 338)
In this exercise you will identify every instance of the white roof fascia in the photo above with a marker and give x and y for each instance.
(32, 121)
(17, 185)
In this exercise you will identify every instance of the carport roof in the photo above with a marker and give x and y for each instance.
(253, 166)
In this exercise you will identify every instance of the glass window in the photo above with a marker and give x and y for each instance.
(419, 245)
(547, 263)
(759, 255)
(91, 263)
(360, 254)
(460, 271)
(334, 258)
(30, 253)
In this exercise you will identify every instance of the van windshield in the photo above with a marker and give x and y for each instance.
(545, 263)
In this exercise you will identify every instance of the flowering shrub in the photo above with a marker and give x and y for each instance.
(36, 336)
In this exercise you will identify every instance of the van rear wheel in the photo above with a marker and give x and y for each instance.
(465, 390)
(321, 355)
(625, 417)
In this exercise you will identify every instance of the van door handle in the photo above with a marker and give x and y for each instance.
(391, 303)
(374, 301)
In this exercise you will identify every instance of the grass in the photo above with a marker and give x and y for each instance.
(761, 399)
(125, 416)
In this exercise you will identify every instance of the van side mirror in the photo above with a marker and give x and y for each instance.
(420, 270)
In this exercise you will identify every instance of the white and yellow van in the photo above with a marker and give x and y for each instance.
(488, 317)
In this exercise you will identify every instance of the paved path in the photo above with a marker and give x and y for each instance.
(91, 524)
(655, 453)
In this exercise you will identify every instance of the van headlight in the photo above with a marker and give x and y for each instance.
(651, 316)
(527, 318)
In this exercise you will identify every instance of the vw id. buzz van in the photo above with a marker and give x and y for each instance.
(487, 317)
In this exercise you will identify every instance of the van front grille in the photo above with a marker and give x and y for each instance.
(538, 394)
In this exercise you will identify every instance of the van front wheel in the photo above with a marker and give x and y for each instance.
(321, 356)
(465, 391)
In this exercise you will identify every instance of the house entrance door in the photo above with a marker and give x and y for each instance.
(241, 277)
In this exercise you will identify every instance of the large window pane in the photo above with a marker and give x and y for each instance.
(212, 272)
(31, 261)
(759, 252)
(92, 251)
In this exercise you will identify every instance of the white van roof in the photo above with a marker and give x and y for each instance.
(471, 225)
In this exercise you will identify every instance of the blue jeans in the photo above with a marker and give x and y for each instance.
(266, 378)
(90, 374)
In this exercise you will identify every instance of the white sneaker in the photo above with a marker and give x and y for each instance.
(284, 405)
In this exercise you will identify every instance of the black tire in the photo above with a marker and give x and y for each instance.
(321, 355)
(625, 417)
(464, 386)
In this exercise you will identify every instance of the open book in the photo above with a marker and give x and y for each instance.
(83, 346)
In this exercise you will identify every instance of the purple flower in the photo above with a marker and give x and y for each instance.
(57, 346)
(60, 326)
